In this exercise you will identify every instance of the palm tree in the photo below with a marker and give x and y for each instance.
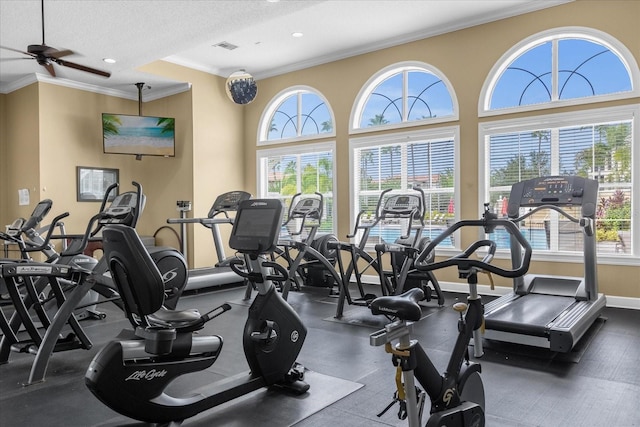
(366, 159)
(274, 184)
(110, 124)
(327, 126)
(378, 120)
(540, 134)
(168, 124)
(390, 150)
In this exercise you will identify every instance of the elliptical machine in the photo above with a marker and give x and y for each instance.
(164, 346)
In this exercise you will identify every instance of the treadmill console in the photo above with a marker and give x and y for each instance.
(402, 205)
(257, 226)
(228, 202)
(557, 191)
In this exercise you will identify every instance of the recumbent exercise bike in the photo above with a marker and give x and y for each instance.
(457, 396)
(131, 375)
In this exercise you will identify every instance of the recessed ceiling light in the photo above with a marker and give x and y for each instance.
(297, 34)
(109, 60)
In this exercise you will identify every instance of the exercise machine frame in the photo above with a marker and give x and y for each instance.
(457, 395)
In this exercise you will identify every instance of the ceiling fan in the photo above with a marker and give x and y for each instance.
(47, 56)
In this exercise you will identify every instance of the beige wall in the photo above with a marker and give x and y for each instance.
(3, 144)
(20, 161)
(44, 139)
(465, 57)
(216, 153)
(48, 130)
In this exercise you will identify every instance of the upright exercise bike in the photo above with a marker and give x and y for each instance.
(131, 376)
(457, 396)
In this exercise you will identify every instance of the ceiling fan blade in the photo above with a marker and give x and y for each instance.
(14, 59)
(17, 50)
(55, 53)
(82, 67)
(49, 67)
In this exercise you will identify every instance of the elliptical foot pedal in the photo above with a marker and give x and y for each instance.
(24, 347)
(365, 300)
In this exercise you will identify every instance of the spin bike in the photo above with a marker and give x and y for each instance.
(131, 375)
(457, 395)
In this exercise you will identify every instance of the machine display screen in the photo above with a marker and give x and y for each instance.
(256, 226)
(257, 223)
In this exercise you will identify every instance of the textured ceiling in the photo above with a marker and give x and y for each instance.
(138, 32)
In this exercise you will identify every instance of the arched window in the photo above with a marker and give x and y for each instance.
(402, 93)
(564, 66)
(296, 113)
(301, 117)
(561, 67)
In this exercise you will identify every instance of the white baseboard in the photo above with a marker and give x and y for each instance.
(612, 300)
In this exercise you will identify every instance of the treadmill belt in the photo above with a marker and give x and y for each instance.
(529, 314)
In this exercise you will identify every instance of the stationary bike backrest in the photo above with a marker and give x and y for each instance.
(138, 279)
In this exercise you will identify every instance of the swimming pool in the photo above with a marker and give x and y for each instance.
(537, 237)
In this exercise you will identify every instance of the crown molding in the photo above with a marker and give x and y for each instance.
(43, 78)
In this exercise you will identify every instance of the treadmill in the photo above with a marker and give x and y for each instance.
(549, 311)
(221, 273)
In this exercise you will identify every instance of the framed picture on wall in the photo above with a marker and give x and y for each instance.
(92, 183)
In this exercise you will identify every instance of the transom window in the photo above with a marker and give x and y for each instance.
(561, 66)
(296, 113)
(401, 93)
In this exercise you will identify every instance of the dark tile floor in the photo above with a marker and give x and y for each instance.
(598, 385)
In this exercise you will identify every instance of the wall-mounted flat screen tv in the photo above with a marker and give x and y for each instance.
(139, 135)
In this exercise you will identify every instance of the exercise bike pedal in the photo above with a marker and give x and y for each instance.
(266, 333)
(466, 414)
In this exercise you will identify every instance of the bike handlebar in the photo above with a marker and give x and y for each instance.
(280, 277)
(464, 260)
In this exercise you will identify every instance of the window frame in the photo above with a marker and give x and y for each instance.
(403, 137)
(590, 34)
(383, 74)
(298, 149)
(271, 108)
(558, 120)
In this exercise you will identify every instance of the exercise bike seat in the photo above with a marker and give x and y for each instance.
(140, 283)
(175, 318)
(404, 306)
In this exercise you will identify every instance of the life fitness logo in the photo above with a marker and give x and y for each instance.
(146, 375)
(295, 336)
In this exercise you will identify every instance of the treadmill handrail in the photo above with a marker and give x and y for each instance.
(552, 207)
(458, 260)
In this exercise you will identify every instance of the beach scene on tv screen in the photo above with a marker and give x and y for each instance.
(138, 135)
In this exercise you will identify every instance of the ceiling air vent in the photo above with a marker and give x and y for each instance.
(226, 45)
